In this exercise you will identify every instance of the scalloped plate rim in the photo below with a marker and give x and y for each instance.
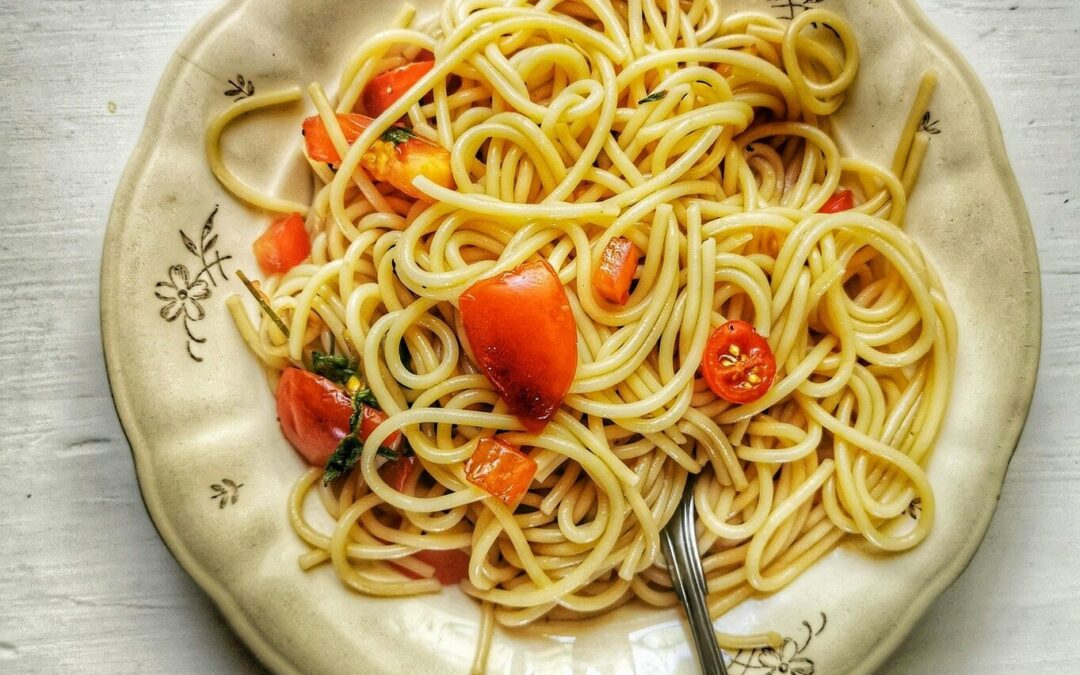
(227, 605)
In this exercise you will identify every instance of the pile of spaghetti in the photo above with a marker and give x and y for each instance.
(562, 255)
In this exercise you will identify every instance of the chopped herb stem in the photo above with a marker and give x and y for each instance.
(263, 301)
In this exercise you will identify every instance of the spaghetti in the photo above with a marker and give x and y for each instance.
(704, 141)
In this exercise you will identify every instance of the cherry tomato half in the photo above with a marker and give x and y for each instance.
(738, 365)
(397, 158)
(522, 335)
(314, 414)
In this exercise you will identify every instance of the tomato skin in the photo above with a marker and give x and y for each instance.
(283, 246)
(397, 472)
(314, 414)
(396, 162)
(370, 419)
(386, 88)
(500, 468)
(842, 200)
(451, 566)
(522, 336)
(615, 273)
(317, 139)
(735, 357)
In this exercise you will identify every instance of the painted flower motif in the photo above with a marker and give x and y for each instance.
(786, 661)
(182, 295)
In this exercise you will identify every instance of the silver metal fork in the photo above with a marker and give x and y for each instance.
(684, 564)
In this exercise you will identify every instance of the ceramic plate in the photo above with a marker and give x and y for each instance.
(214, 470)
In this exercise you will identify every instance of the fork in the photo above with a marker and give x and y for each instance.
(679, 541)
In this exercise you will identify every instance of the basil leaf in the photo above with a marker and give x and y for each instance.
(343, 459)
(350, 447)
(334, 367)
(653, 97)
(346, 456)
(366, 397)
(398, 135)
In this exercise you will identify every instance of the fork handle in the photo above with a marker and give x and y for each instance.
(684, 565)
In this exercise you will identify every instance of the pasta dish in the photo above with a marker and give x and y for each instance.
(561, 256)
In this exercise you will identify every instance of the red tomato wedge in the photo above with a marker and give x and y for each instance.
(451, 567)
(396, 158)
(842, 200)
(501, 469)
(283, 246)
(319, 146)
(738, 364)
(397, 473)
(521, 333)
(615, 273)
(386, 88)
(370, 419)
(314, 414)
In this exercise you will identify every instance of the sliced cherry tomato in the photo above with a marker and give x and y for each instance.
(501, 469)
(738, 365)
(451, 567)
(521, 333)
(615, 273)
(386, 88)
(283, 246)
(401, 156)
(842, 200)
(314, 414)
(397, 158)
(397, 473)
(370, 419)
(319, 146)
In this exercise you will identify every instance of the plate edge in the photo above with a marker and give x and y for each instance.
(1000, 158)
(228, 607)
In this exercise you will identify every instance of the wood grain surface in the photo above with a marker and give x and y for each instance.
(86, 586)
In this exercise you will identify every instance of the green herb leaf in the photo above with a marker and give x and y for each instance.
(343, 459)
(350, 447)
(346, 456)
(366, 397)
(655, 96)
(361, 398)
(398, 135)
(334, 367)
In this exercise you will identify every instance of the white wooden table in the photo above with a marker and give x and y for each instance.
(85, 583)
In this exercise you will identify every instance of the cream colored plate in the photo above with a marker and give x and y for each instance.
(214, 470)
